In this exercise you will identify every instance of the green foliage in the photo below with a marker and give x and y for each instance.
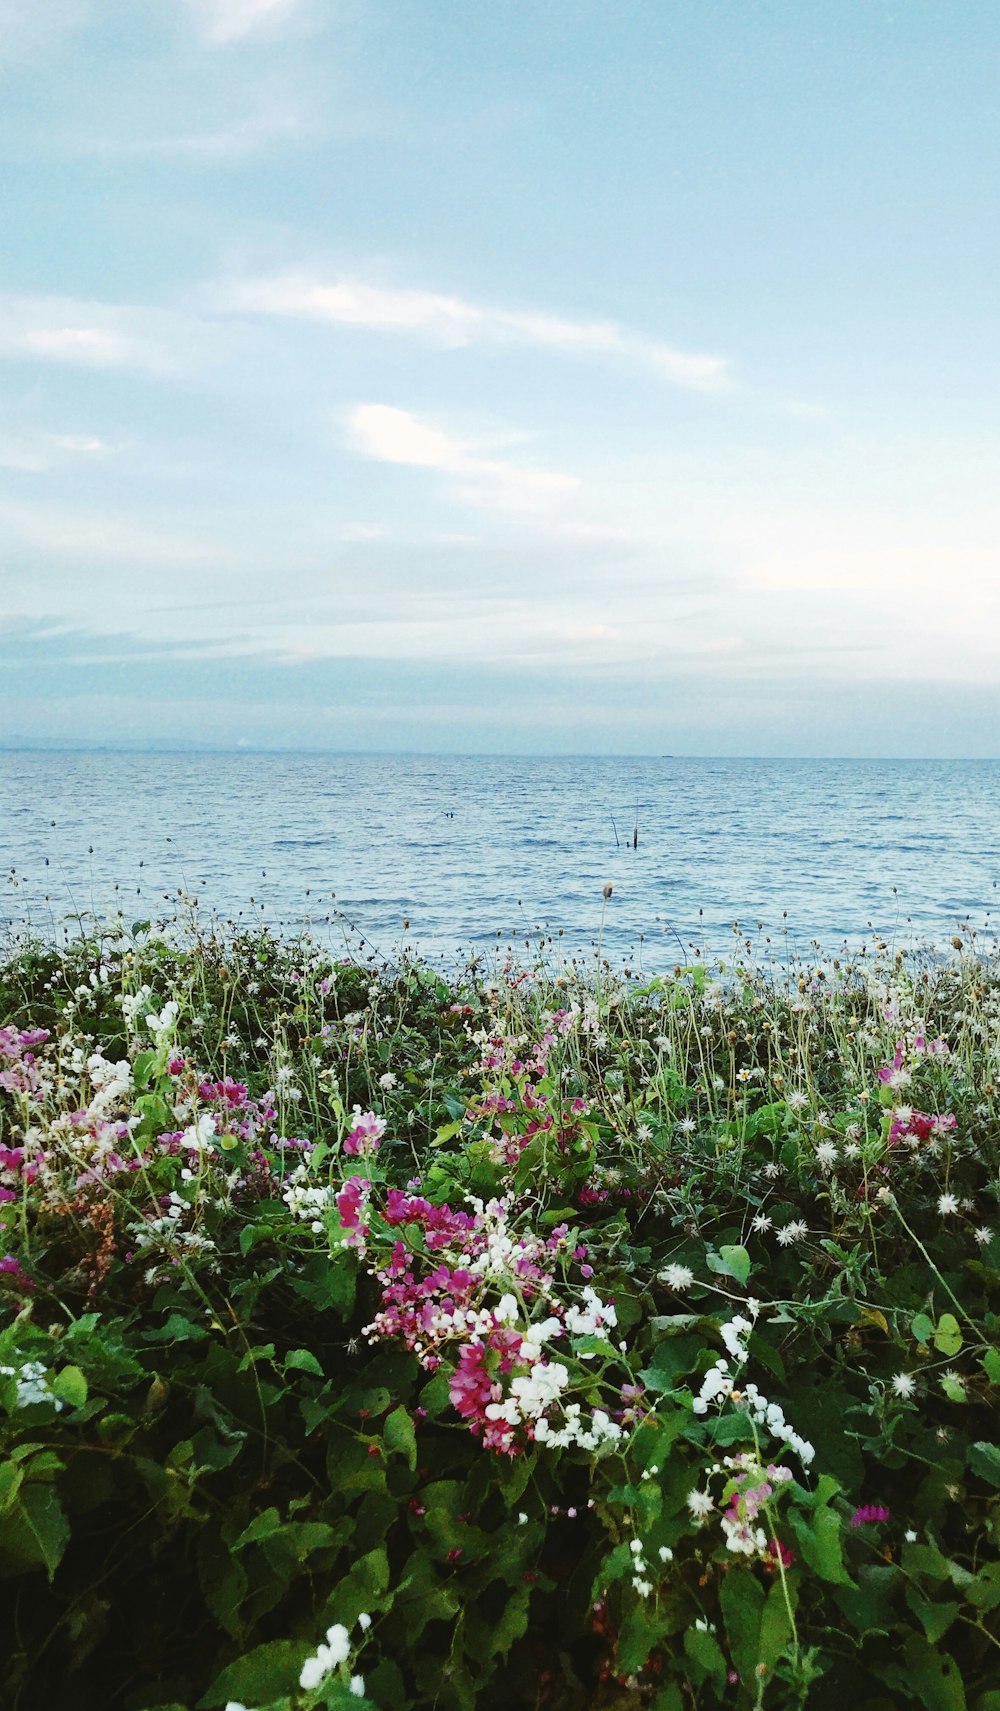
(214, 1455)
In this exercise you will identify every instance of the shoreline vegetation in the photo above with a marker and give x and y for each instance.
(371, 1337)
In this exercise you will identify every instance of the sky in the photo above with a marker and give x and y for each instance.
(544, 376)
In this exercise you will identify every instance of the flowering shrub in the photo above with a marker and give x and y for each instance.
(527, 1340)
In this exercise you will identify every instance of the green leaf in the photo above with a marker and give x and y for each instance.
(400, 1435)
(984, 1459)
(71, 1386)
(775, 1626)
(263, 1526)
(448, 1131)
(820, 1540)
(706, 1656)
(984, 1590)
(933, 1676)
(742, 1601)
(922, 1327)
(991, 1365)
(935, 1619)
(142, 1069)
(953, 1388)
(178, 1329)
(301, 1360)
(948, 1335)
(729, 1262)
(266, 1673)
(35, 1530)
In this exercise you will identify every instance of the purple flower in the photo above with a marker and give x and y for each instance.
(868, 1513)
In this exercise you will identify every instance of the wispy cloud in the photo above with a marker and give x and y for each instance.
(396, 436)
(108, 538)
(33, 453)
(222, 22)
(94, 335)
(450, 320)
(86, 335)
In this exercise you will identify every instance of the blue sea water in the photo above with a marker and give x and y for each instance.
(474, 852)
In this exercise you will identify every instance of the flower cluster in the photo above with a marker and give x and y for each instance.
(470, 1288)
(719, 1384)
(332, 1654)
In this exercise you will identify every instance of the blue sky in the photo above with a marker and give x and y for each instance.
(519, 378)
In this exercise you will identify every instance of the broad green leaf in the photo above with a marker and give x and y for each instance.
(35, 1529)
(706, 1656)
(948, 1335)
(268, 1672)
(820, 1541)
(775, 1627)
(263, 1526)
(984, 1459)
(742, 1599)
(934, 1618)
(991, 1365)
(730, 1261)
(922, 1327)
(71, 1386)
(400, 1435)
(447, 1132)
(984, 1590)
(302, 1360)
(933, 1676)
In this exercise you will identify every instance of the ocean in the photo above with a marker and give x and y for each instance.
(453, 855)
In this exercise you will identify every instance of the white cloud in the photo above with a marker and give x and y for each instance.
(391, 435)
(94, 335)
(453, 321)
(33, 453)
(86, 335)
(221, 22)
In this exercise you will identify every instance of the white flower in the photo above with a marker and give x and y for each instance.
(983, 1235)
(760, 1222)
(313, 1671)
(666, 1554)
(338, 1643)
(826, 1154)
(677, 1276)
(358, 1686)
(772, 1169)
(947, 1203)
(388, 1082)
(904, 1384)
(797, 1100)
(700, 1502)
(364, 1620)
(910, 1536)
(796, 1231)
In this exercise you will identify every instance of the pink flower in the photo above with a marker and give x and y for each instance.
(366, 1135)
(869, 1513)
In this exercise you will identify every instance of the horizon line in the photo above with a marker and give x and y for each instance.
(62, 746)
